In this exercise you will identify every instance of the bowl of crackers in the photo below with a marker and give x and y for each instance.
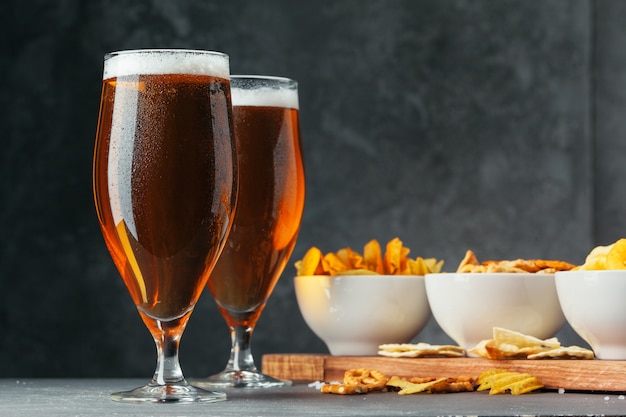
(513, 294)
(357, 301)
(593, 299)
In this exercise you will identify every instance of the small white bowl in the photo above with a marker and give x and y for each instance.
(354, 314)
(467, 306)
(594, 304)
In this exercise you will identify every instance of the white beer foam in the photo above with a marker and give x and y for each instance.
(265, 96)
(172, 61)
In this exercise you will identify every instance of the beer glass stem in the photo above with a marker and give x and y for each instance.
(240, 354)
(168, 370)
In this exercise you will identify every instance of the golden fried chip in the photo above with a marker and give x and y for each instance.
(516, 383)
(484, 379)
(417, 350)
(616, 258)
(498, 381)
(332, 264)
(372, 257)
(348, 262)
(596, 260)
(509, 344)
(449, 384)
(566, 352)
(407, 387)
(553, 264)
(469, 259)
(310, 262)
(350, 258)
(521, 340)
(395, 256)
(417, 266)
(433, 265)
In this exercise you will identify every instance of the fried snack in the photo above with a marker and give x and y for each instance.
(348, 262)
(596, 259)
(498, 381)
(343, 389)
(418, 350)
(373, 379)
(407, 387)
(357, 381)
(609, 257)
(509, 344)
(449, 384)
(470, 264)
(567, 352)
(616, 258)
(522, 340)
(372, 257)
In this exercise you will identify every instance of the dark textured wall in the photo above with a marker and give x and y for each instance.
(495, 126)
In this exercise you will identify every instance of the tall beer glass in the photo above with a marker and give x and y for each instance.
(267, 221)
(165, 186)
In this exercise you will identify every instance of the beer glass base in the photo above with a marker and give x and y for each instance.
(241, 379)
(168, 393)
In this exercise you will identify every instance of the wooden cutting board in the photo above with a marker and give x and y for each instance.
(569, 374)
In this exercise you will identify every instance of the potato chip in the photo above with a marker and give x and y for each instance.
(521, 340)
(596, 259)
(566, 352)
(498, 381)
(609, 257)
(395, 253)
(332, 264)
(616, 258)
(484, 380)
(448, 384)
(349, 262)
(470, 264)
(310, 262)
(417, 350)
(350, 258)
(508, 344)
(407, 387)
(372, 257)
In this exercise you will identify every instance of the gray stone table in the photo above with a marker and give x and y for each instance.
(90, 397)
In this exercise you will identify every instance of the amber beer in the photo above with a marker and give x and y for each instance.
(270, 204)
(164, 177)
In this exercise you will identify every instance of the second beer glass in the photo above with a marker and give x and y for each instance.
(267, 219)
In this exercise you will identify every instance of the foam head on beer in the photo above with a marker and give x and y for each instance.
(263, 95)
(174, 61)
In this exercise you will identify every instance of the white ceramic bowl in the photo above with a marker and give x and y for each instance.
(594, 304)
(354, 314)
(468, 306)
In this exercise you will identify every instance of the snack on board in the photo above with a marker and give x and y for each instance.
(509, 344)
(348, 262)
(498, 381)
(470, 263)
(357, 381)
(612, 256)
(431, 385)
(364, 380)
(419, 350)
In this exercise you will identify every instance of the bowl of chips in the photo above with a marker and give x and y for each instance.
(468, 305)
(356, 302)
(593, 299)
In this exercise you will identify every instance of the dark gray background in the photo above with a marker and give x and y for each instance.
(491, 125)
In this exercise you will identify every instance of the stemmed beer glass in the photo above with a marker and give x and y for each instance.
(165, 188)
(267, 221)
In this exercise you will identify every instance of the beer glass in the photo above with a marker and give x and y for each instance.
(165, 188)
(267, 221)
